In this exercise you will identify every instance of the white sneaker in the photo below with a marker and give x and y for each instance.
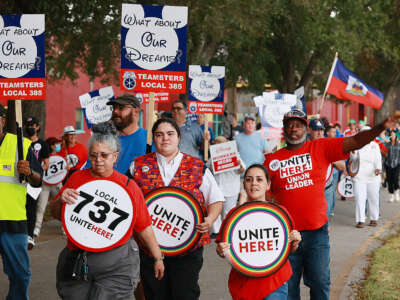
(397, 195)
(31, 243)
(36, 232)
(391, 197)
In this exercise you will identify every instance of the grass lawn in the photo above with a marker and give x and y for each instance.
(382, 280)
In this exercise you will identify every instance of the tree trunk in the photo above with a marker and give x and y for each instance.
(389, 105)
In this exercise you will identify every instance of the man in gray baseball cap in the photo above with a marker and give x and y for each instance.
(125, 99)
(125, 116)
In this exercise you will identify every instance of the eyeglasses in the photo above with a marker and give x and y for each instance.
(103, 155)
(177, 108)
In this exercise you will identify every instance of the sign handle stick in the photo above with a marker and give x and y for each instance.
(150, 121)
(20, 138)
(206, 117)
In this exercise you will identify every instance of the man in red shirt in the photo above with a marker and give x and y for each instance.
(298, 177)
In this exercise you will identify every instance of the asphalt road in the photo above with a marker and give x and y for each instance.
(349, 248)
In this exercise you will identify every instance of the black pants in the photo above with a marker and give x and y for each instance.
(180, 280)
(392, 176)
(30, 214)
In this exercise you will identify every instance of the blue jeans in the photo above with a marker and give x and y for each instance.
(330, 195)
(14, 252)
(311, 260)
(279, 294)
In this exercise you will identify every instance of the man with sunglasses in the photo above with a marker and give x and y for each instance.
(298, 176)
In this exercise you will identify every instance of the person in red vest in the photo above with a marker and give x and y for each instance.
(168, 166)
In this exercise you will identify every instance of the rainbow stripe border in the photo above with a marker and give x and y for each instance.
(229, 224)
(194, 206)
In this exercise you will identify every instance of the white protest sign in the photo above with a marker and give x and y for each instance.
(57, 170)
(95, 107)
(174, 214)
(22, 57)
(206, 92)
(100, 218)
(224, 157)
(272, 106)
(153, 54)
(345, 187)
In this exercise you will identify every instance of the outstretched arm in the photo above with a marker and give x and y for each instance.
(362, 138)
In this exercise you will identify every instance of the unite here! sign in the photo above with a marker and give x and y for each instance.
(153, 48)
(224, 157)
(22, 60)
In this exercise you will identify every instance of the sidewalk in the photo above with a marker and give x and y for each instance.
(349, 246)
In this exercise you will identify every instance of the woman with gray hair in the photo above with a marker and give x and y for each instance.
(111, 272)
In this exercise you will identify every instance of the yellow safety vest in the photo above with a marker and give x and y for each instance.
(12, 192)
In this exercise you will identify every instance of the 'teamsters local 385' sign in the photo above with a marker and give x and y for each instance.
(153, 48)
(22, 64)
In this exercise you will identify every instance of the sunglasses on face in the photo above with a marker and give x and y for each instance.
(103, 155)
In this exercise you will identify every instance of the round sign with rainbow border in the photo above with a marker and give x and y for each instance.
(258, 234)
(174, 213)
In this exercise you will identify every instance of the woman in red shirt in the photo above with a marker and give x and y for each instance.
(274, 287)
(112, 273)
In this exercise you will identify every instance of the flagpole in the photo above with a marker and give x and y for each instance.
(327, 83)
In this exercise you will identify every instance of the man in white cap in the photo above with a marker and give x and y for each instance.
(75, 153)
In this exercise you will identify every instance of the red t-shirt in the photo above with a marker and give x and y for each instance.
(298, 179)
(140, 219)
(76, 157)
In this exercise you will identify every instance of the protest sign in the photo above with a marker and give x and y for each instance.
(224, 157)
(345, 187)
(153, 48)
(158, 97)
(258, 234)
(272, 107)
(94, 105)
(101, 217)
(174, 213)
(301, 99)
(22, 57)
(57, 170)
(206, 89)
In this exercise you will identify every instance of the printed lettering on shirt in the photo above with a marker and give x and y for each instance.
(296, 164)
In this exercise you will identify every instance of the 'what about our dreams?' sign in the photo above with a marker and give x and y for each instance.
(94, 105)
(206, 93)
(153, 48)
(22, 63)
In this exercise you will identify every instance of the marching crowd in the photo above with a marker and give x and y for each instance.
(300, 174)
